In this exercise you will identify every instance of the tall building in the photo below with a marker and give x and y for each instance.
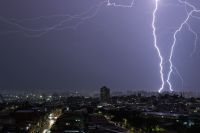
(1, 99)
(105, 94)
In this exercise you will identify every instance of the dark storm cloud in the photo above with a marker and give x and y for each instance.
(114, 48)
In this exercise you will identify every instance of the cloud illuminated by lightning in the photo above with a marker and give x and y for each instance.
(73, 21)
(90, 13)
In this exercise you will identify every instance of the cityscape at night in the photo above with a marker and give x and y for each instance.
(107, 112)
(100, 66)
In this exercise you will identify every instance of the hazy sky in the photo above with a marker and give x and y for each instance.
(113, 48)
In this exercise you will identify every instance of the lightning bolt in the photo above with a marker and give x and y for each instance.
(195, 41)
(190, 13)
(76, 20)
(64, 23)
(154, 38)
(156, 46)
(109, 3)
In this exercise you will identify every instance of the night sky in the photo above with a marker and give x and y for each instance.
(114, 47)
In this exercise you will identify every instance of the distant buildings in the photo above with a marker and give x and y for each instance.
(105, 94)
